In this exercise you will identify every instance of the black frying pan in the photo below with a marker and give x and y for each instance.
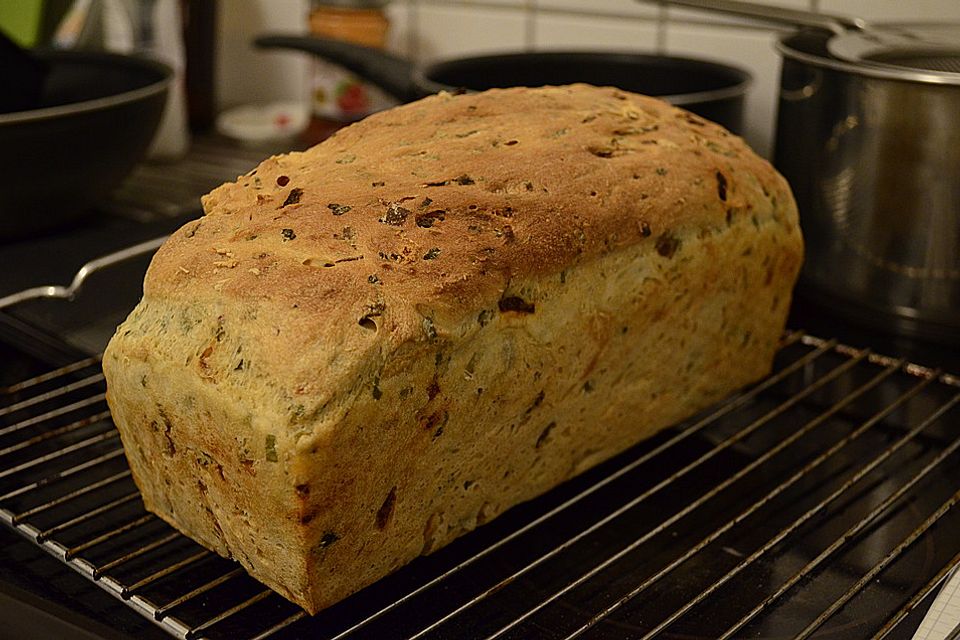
(97, 114)
(712, 90)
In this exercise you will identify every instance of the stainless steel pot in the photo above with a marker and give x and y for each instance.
(868, 135)
(872, 153)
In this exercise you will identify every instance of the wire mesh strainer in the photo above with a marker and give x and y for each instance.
(928, 47)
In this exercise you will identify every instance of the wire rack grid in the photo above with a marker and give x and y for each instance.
(818, 501)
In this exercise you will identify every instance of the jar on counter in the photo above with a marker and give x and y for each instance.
(337, 96)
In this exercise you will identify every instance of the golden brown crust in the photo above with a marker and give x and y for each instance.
(528, 181)
(475, 296)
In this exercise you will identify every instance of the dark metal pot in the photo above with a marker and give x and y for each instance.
(709, 89)
(872, 153)
(98, 113)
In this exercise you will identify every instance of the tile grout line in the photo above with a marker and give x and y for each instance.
(531, 18)
(662, 19)
(413, 31)
(533, 12)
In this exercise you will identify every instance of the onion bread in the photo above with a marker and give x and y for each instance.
(365, 350)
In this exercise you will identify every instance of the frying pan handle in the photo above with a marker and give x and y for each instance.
(389, 72)
(776, 14)
(88, 269)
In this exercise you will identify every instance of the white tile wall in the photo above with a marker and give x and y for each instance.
(434, 29)
(573, 32)
(447, 30)
(601, 7)
(880, 10)
(246, 74)
(402, 35)
(752, 49)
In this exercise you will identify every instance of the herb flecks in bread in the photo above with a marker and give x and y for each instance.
(367, 349)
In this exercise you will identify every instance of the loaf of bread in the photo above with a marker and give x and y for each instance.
(365, 350)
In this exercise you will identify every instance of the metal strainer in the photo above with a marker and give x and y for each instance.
(927, 47)
(917, 46)
(945, 62)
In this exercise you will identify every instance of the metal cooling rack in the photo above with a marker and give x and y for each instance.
(819, 501)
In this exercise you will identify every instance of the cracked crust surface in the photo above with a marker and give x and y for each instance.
(366, 349)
